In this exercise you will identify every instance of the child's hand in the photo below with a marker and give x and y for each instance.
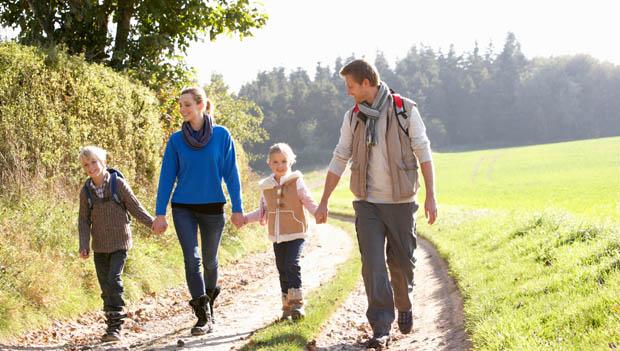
(84, 254)
(160, 225)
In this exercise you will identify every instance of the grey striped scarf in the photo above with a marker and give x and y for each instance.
(372, 112)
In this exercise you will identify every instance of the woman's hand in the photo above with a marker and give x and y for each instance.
(160, 224)
(238, 219)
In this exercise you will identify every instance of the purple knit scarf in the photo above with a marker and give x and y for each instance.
(201, 138)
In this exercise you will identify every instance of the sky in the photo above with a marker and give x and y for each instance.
(303, 33)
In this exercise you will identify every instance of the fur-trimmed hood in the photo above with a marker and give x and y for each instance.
(270, 182)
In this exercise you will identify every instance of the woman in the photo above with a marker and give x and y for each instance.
(197, 158)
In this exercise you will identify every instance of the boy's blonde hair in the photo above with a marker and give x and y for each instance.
(285, 149)
(92, 151)
(200, 96)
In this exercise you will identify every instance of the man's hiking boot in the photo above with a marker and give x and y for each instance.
(201, 308)
(296, 303)
(405, 321)
(213, 294)
(286, 308)
(379, 341)
(114, 320)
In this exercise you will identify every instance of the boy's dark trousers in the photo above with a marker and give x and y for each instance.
(287, 260)
(109, 267)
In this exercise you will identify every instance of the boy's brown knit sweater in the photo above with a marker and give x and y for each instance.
(109, 229)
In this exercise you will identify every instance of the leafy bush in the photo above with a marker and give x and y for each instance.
(51, 104)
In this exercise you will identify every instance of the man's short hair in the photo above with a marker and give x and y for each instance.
(359, 70)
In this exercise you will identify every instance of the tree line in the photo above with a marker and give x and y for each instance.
(480, 98)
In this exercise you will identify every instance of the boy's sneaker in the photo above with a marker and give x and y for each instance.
(379, 341)
(111, 337)
(114, 320)
(405, 321)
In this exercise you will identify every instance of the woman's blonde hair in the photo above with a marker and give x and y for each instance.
(200, 96)
(284, 149)
(92, 151)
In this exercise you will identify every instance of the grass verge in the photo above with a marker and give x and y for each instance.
(533, 281)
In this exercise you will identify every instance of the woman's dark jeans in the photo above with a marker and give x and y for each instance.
(186, 223)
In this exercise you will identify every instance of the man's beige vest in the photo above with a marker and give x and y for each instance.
(402, 162)
(285, 212)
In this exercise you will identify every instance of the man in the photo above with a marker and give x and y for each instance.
(384, 149)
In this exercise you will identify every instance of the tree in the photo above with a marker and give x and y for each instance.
(146, 36)
(242, 117)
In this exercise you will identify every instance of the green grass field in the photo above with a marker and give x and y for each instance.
(532, 236)
(582, 177)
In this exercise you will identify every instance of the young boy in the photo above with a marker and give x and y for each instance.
(103, 224)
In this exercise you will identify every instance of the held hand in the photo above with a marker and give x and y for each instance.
(160, 225)
(84, 254)
(238, 219)
(430, 209)
(321, 214)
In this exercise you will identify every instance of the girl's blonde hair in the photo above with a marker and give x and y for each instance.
(200, 96)
(284, 149)
(92, 151)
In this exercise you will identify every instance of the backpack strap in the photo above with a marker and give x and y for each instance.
(113, 190)
(399, 109)
(355, 109)
(399, 106)
(89, 197)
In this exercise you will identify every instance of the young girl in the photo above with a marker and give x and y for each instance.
(103, 224)
(284, 196)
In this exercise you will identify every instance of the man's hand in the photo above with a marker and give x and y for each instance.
(331, 181)
(321, 213)
(84, 254)
(430, 209)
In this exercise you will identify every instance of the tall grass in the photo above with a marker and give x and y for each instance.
(42, 277)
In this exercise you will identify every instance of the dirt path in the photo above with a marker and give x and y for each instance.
(437, 313)
(250, 300)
